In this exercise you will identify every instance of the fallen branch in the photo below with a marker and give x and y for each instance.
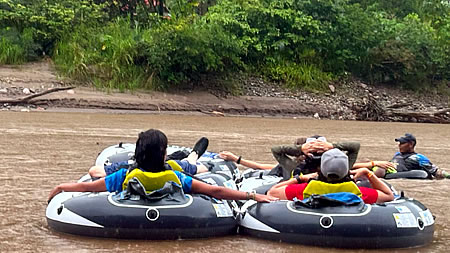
(432, 117)
(213, 113)
(371, 109)
(395, 106)
(26, 99)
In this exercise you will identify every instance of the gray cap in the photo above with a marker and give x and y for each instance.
(334, 164)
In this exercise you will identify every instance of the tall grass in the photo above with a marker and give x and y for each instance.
(300, 76)
(103, 55)
(11, 53)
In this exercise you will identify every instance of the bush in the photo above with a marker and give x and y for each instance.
(411, 56)
(43, 22)
(182, 51)
(303, 44)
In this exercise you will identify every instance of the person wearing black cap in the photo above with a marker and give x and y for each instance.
(333, 177)
(407, 159)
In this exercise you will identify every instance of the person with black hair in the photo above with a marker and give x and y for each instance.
(333, 177)
(183, 159)
(150, 155)
(304, 158)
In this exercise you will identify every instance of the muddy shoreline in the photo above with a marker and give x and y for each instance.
(352, 100)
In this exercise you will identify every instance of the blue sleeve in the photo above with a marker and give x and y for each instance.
(186, 181)
(187, 167)
(114, 181)
(423, 161)
(396, 153)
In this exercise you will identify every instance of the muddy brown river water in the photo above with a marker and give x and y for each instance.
(41, 149)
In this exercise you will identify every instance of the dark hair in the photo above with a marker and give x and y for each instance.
(151, 150)
(323, 178)
(300, 141)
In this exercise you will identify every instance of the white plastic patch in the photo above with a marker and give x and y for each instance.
(224, 167)
(230, 184)
(225, 172)
(250, 222)
(210, 181)
(222, 210)
(405, 220)
(427, 217)
(402, 209)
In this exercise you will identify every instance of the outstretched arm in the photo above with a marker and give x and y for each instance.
(384, 193)
(370, 164)
(96, 186)
(226, 155)
(220, 192)
(279, 190)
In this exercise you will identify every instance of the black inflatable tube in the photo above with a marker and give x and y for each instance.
(412, 174)
(195, 220)
(364, 226)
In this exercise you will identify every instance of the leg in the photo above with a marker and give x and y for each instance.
(192, 159)
(97, 171)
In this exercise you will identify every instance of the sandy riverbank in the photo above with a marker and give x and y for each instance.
(344, 101)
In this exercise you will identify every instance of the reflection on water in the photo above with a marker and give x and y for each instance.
(40, 150)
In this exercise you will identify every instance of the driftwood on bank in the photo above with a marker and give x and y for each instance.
(26, 99)
(431, 117)
(371, 109)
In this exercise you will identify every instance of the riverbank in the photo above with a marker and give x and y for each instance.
(351, 100)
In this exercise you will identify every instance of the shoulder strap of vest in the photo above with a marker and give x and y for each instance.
(319, 187)
(174, 165)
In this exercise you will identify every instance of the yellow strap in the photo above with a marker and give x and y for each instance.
(151, 180)
(319, 187)
(174, 165)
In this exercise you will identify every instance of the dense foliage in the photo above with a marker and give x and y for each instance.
(131, 44)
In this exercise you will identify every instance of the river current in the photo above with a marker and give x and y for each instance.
(39, 150)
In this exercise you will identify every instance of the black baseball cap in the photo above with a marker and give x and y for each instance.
(407, 138)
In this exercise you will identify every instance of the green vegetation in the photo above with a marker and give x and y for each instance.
(302, 44)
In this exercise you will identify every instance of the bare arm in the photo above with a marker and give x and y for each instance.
(384, 193)
(96, 186)
(352, 149)
(247, 163)
(279, 190)
(220, 192)
(381, 164)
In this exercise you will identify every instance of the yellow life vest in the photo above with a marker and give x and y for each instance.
(174, 165)
(319, 187)
(151, 180)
